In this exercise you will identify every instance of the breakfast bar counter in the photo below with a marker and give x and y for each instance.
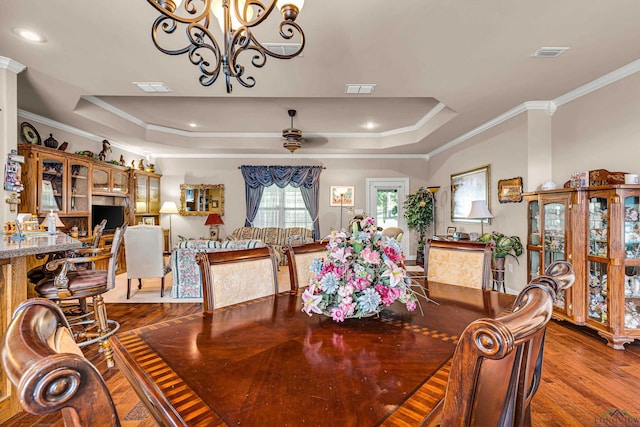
(13, 291)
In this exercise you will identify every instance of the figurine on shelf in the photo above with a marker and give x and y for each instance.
(141, 164)
(106, 148)
(122, 162)
(63, 146)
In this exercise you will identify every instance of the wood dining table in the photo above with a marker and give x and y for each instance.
(266, 362)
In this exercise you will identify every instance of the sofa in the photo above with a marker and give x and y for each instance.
(185, 272)
(274, 236)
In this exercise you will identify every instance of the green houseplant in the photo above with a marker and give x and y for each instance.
(504, 246)
(418, 211)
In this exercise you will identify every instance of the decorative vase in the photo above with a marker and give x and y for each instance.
(51, 142)
(497, 268)
(353, 316)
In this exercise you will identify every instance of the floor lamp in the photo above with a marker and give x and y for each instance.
(479, 210)
(169, 208)
(432, 193)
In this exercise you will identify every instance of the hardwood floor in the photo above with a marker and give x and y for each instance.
(582, 377)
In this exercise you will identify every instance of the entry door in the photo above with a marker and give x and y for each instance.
(385, 203)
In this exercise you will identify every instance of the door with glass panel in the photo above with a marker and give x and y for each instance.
(385, 203)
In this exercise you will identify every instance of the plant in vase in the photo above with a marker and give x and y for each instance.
(418, 211)
(504, 246)
(362, 273)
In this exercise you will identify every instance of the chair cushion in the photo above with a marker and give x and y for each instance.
(81, 283)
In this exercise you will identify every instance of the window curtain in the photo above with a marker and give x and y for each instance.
(307, 178)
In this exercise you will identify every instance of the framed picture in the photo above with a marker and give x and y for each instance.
(510, 190)
(450, 231)
(342, 195)
(466, 187)
(148, 220)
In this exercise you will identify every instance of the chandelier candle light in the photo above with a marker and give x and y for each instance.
(236, 19)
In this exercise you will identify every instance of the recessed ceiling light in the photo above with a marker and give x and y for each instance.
(193, 125)
(370, 125)
(29, 35)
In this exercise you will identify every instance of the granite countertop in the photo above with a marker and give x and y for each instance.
(37, 244)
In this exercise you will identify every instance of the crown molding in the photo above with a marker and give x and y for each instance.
(78, 132)
(290, 156)
(11, 65)
(549, 106)
(194, 134)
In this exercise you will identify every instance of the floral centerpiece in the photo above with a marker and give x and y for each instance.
(362, 273)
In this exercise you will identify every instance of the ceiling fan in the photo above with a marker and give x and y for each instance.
(292, 136)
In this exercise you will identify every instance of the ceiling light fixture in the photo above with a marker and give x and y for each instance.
(29, 35)
(292, 136)
(237, 18)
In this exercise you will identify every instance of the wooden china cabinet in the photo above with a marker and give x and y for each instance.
(146, 197)
(597, 229)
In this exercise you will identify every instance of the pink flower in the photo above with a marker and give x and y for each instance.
(347, 306)
(388, 295)
(394, 273)
(361, 283)
(310, 302)
(392, 254)
(337, 314)
(411, 305)
(370, 256)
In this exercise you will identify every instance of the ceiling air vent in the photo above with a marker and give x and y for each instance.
(153, 86)
(549, 52)
(283, 48)
(359, 89)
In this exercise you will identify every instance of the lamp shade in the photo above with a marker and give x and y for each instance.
(59, 223)
(479, 210)
(169, 208)
(214, 219)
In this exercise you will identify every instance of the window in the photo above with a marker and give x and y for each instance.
(282, 207)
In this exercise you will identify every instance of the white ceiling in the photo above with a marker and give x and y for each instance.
(441, 68)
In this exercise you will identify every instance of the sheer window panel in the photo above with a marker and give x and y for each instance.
(282, 207)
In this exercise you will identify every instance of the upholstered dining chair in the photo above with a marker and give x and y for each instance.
(394, 233)
(458, 263)
(497, 365)
(299, 259)
(231, 277)
(50, 372)
(143, 249)
(73, 284)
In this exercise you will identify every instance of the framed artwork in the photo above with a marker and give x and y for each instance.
(450, 231)
(510, 190)
(466, 187)
(148, 220)
(342, 195)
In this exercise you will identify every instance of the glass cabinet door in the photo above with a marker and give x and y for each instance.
(52, 191)
(597, 307)
(100, 179)
(534, 264)
(154, 194)
(119, 182)
(632, 227)
(534, 223)
(79, 187)
(141, 194)
(554, 232)
(598, 227)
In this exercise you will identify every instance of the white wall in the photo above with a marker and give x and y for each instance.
(225, 171)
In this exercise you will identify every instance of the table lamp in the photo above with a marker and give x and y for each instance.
(479, 210)
(169, 208)
(214, 221)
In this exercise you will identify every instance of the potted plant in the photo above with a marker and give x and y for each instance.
(418, 211)
(504, 246)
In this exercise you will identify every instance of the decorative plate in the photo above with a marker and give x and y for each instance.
(29, 134)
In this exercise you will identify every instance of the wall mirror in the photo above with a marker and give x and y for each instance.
(201, 199)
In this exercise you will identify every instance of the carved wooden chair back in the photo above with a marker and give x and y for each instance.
(98, 231)
(50, 373)
(459, 263)
(299, 259)
(496, 368)
(231, 277)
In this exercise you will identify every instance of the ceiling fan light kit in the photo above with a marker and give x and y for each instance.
(292, 136)
(237, 18)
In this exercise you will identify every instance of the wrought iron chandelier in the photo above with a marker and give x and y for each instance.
(236, 18)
